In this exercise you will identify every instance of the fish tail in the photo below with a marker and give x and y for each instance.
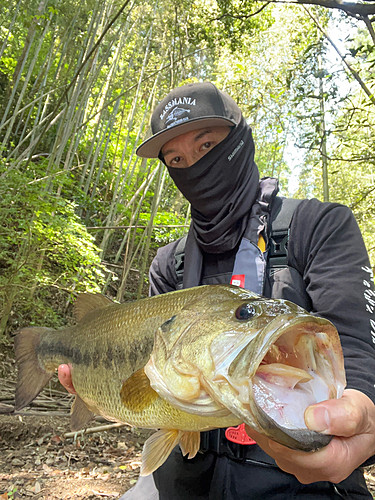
(32, 377)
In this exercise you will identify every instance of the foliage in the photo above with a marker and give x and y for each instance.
(163, 233)
(350, 128)
(229, 22)
(352, 166)
(77, 86)
(43, 244)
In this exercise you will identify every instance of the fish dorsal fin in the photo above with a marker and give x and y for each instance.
(136, 392)
(157, 449)
(80, 415)
(190, 443)
(88, 302)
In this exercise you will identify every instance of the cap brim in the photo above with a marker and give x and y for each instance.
(151, 148)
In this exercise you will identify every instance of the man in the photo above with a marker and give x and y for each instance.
(200, 134)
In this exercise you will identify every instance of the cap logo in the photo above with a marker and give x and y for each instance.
(176, 102)
(175, 113)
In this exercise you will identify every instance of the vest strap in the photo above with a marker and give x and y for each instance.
(216, 442)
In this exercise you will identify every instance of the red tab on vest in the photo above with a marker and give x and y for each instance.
(238, 435)
(238, 280)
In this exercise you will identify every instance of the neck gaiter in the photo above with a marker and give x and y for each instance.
(221, 187)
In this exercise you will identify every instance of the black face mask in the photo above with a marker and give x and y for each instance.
(221, 187)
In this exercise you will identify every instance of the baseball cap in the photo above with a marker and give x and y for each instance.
(187, 108)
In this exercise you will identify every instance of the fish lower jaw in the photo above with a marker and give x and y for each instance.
(285, 406)
(283, 401)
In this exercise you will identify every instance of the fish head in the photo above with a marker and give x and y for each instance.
(294, 361)
(263, 360)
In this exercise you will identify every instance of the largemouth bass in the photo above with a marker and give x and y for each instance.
(215, 356)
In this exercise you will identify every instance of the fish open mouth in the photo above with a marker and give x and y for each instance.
(300, 369)
(296, 363)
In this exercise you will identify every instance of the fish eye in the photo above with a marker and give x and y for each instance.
(245, 312)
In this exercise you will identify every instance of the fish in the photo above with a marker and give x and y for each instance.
(188, 361)
(176, 112)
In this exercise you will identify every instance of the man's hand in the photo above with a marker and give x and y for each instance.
(351, 419)
(65, 378)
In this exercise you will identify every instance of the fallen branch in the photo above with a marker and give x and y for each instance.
(49, 400)
(92, 430)
(5, 408)
(30, 413)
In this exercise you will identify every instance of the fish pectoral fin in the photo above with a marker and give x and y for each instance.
(31, 376)
(157, 449)
(136, 392)
(87, 302)
(80, 415)
(190, 443)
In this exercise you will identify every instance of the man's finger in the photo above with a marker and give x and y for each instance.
(344, 417)
(65, 378)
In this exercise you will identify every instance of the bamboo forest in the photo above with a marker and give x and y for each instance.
(80, 211)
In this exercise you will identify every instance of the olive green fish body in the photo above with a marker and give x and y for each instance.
(209, 360)
(108, 346)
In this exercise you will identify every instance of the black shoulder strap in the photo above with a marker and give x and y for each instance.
(179, 258)
(281, 215)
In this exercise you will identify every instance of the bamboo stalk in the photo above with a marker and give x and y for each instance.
(128, 262)
(29, 104)
(128, 257)
(78, 72)
(138, 207)
(155, 203)
(12, 23)
(26, 81)
(16, 82)
(117, 195)
(36, 88)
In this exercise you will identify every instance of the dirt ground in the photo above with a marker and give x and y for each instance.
(36, 460)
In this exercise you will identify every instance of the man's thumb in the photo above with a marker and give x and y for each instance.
(318, 419)
(346, 416)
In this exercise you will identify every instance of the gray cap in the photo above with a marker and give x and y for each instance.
(186, 108)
